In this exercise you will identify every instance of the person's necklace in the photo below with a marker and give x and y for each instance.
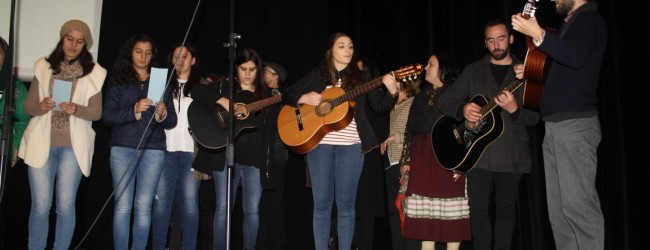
(431, 93)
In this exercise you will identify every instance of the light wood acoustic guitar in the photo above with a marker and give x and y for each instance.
(301, 129)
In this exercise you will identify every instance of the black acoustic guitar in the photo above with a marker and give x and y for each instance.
(209, 126)
(457, 146)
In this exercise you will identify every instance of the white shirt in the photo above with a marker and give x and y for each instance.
(179, 138)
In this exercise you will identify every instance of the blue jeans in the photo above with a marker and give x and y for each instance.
(61, 167)
(136, 191)
(251, 195)
(334, 171)
(219, 223)
(177, 180)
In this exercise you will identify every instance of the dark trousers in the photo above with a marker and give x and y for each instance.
(272, 230)
(364, 231)
(480, 185)
(392, 188)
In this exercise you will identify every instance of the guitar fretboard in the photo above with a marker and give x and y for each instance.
(492, 104)
(409, 72)
(357, 91)
(255, 106)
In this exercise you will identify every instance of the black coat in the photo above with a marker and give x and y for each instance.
(510, 152)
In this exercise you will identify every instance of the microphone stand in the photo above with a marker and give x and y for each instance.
(8, 95)
(230, 148)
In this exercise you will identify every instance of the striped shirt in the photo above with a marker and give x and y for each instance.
(345, 136)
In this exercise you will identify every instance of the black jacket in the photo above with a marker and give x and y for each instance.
(570, 88)
(510, 152)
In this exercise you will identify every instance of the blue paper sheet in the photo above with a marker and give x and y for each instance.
(61, 92)
(157, 81)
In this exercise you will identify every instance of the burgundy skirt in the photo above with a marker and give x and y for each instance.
(436, 206)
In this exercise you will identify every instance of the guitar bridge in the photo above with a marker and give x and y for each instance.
(299, 119)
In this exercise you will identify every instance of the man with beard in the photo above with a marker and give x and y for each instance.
(569, 108)
(507, 158)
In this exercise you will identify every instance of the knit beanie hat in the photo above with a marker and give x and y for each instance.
(80, 26)
(281, 71)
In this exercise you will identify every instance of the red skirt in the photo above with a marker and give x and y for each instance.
(436, 206)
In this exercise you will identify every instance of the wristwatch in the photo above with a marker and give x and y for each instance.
(539, 41)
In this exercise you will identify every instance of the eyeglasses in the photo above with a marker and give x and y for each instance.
(272, 73)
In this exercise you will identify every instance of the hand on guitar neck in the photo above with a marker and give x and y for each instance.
(526, 23)
(473, 113)
(534, 65)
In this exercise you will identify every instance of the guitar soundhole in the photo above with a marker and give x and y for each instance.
(324, 108)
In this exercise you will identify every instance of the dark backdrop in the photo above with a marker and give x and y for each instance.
(393, 34)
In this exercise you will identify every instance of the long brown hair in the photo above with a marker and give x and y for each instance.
(249, 54)
(195, 74)
(355, 76)
(57, 56)
(123, 71)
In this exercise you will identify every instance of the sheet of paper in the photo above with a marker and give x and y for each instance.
(157, 81)
(61, 92)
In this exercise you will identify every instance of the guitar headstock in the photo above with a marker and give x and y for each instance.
(529, 9)
(408, 73)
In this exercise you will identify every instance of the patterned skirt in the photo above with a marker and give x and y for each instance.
(436, 206)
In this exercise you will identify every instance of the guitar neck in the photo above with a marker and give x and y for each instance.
(529, 9)
(364, 88)
(255, 106)
(492, 104)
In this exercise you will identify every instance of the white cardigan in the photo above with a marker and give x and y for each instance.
(35, 144)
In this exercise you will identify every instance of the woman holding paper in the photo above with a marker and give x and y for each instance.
(138, 140)
(58, 144)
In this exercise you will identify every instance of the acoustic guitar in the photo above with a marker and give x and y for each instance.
(301, 129)
(457, 146)
(533, 65)
(209, 126)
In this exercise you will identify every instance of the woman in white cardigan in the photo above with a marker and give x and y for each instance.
(59, 141)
